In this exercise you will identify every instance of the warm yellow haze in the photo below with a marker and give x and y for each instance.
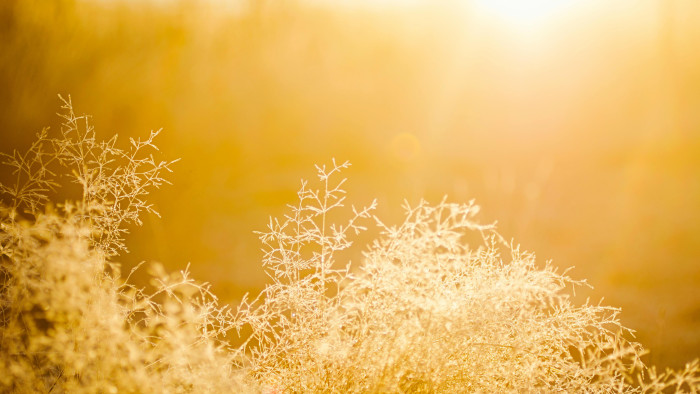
(575, 124)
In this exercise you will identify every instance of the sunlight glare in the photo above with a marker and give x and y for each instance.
(523, 13)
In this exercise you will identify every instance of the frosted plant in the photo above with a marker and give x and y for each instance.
(297, 310)
(440, 303)
(68, 321)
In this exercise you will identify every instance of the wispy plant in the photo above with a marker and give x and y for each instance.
(68, 322)
(296, 310)
(440, 303)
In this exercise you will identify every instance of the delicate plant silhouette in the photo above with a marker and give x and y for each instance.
(440, 304)
(68, 323)
(297, 309)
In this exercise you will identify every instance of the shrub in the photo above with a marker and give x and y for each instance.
(68, 322)
(428, 311)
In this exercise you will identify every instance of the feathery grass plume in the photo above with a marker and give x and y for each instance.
(68, 322)
(428, 311)
(295, 312)
(114, 181)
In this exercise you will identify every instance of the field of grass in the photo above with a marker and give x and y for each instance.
(581, 137)
(439, 303)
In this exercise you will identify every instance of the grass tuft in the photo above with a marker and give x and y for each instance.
(68, 321)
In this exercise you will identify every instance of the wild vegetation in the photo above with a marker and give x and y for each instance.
(68, 321)
(439, 303)
(427, 311)
(581, 138)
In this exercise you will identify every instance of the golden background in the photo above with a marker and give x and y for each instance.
(577, 128)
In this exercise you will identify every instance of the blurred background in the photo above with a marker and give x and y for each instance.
(575, 124)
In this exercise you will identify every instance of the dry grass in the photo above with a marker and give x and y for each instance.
(428, 311)
(440, 303)
(69, 323)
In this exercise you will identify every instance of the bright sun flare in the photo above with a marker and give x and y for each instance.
(523, 12)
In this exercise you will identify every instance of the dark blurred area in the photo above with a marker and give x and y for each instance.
(580, 133)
